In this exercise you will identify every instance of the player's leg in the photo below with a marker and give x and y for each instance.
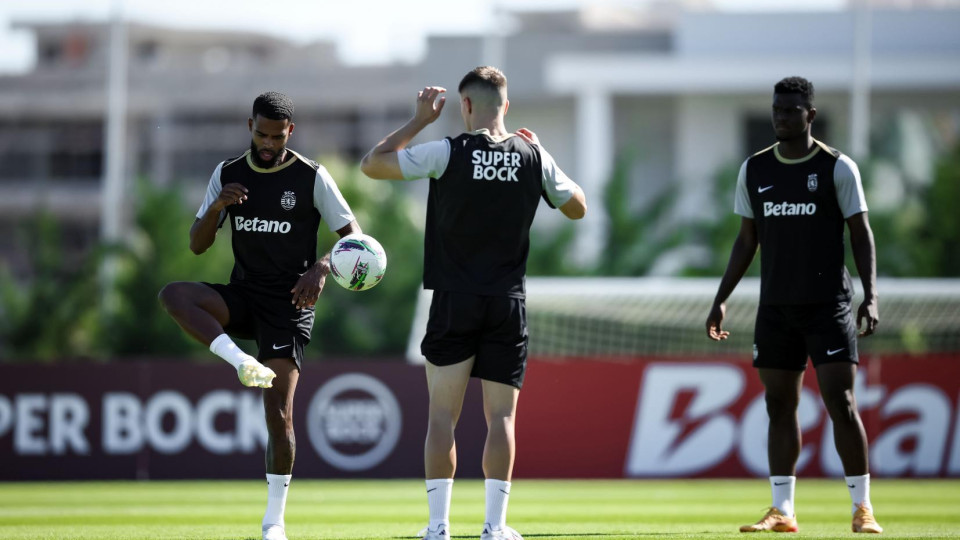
(500, 410)
(281, 443)
(499, 451)
(782, 397)
(833, 346)
(501, 365)
(449, 346)
(446, 386)
(204, 312)
(780, 359)
(282, 331)
(199, 309)
(836, 388)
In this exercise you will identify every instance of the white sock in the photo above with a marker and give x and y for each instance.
(783, 488)
(859, 487)
(439, 491)
(277, 485)
(225, 348)
(498, 494)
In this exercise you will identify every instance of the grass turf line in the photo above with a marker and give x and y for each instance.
(539, 509)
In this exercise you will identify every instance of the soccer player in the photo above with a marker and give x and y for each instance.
(793, 199)
(273, 199)
(485, 185)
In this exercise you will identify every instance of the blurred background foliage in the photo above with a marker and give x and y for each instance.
(60, 311)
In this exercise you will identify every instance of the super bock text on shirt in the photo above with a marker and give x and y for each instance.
(275, 230)
(495, 165)
(484, 193)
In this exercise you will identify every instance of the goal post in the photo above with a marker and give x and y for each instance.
(627, 318)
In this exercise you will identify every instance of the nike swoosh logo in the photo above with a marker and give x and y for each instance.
(432, 489)
(286, 485)
(762, 189)
(780, 483)
(835, 351)
(851, 487)
(502, 491)
(281, 347)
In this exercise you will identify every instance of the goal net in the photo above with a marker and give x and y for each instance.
(624, 318)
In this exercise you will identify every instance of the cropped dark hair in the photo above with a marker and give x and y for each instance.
(273, 105)
(796, 85)
(487, 77)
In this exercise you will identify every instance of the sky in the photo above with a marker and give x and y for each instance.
(366, 31)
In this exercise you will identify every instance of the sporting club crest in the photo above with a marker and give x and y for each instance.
(812, 182)
(289, 199)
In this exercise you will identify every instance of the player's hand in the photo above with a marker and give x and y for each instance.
(428, 106)
(230, 194)
(528, 136)
(869, 311)
(310, 285)
(714, 321)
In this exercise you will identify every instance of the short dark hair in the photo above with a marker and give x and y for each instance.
(273, 105)
(486, 77)
(796, 85)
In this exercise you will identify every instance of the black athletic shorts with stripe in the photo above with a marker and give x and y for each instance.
(492, 328)
(279, 328)
(786, 335)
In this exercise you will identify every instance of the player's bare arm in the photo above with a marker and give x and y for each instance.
(576, 207)
(308, 288)
(741, 255)
(865, 257)
(204, 229)
(381, 162)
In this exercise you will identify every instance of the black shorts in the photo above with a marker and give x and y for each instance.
(786, 335)
(492, 328)
(279, 328)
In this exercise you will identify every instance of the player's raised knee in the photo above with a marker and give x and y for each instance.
(171, 295)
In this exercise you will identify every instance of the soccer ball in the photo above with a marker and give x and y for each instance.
(357, 262)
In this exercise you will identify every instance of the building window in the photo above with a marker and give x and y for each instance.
(50, 53)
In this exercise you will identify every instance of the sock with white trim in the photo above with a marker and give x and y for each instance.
(277, 485)
(783, 488)
(859, 487)
(225, 348)
(498, 494)
(439, 492)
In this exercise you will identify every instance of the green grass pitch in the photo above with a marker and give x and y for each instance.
(539, 509)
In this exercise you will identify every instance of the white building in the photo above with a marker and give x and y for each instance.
(675, 94)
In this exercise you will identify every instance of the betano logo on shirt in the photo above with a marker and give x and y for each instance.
(489, 165)
(788, 209)
(260, 225)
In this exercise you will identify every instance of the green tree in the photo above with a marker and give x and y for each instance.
(157, 253)
(53, 315)
(376, 321)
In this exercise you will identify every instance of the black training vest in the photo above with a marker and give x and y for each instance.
(275, 229)
(479, 214)
(800, 228)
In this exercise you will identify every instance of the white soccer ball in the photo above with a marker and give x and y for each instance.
(357, 262)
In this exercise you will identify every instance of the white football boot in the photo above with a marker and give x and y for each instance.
(274, 532)
(499, 533)
(253, 373)
(440, 533)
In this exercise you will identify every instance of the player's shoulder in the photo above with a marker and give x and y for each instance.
(766, 153)
(302, 161)
(829, 150)
(234, 161)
